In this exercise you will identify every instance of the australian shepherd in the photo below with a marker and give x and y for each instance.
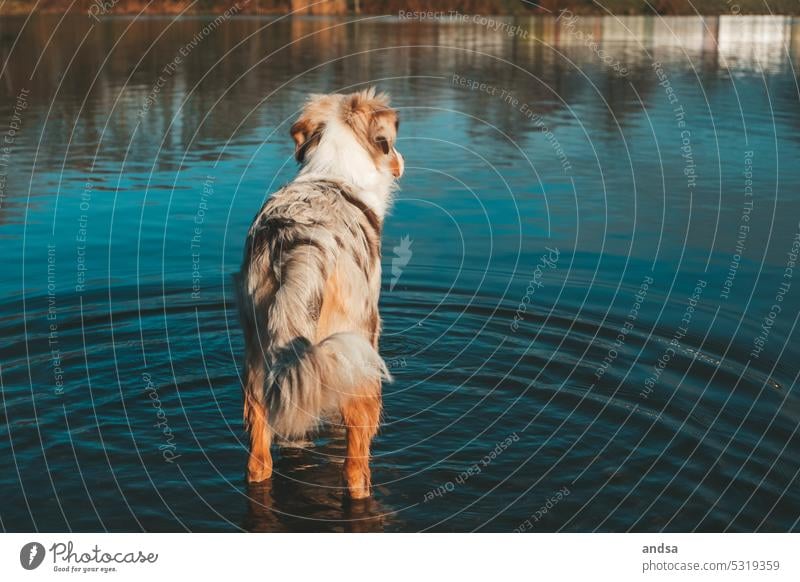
(310, 283)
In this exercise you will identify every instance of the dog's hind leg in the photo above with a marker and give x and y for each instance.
(259, 465)
(361, 416)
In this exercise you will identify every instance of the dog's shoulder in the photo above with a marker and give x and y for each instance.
(320, 203)
(307, 212)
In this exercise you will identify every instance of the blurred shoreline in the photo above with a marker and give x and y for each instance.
(420, 9)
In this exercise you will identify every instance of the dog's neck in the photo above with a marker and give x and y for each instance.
(339, 156)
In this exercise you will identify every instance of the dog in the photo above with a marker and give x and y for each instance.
(310, 283)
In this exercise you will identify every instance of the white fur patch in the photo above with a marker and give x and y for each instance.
(339, 156)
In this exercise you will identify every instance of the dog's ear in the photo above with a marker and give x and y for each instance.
(307, 130)
(369, 116)
(305, 135)
(375, 123)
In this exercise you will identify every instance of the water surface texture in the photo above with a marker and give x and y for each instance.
(590, 292)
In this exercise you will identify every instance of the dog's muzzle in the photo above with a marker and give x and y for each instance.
(398, 164)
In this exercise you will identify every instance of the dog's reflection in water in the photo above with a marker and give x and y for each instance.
(306, 494)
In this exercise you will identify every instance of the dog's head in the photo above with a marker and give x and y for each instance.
(363, 118)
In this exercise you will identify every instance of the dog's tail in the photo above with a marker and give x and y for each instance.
(307, 382)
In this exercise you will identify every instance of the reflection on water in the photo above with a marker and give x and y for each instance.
(584, 263)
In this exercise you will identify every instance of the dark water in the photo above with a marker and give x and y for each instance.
(580, 320)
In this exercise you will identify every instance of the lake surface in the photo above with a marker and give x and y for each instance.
(590, 294)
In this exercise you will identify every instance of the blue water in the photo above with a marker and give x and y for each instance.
(590, 302)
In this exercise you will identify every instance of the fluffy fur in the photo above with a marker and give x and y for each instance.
(310, 284)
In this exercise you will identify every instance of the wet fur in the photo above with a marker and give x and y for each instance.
(310, 283)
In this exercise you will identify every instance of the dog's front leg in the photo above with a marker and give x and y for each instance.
(361, 416)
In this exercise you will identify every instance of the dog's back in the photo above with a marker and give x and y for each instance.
(309, 302)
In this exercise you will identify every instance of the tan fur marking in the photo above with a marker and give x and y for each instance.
(361, 416)
(333, 314)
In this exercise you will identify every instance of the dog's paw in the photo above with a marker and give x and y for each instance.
(258, 471)
(358, 480)
(359, 492)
